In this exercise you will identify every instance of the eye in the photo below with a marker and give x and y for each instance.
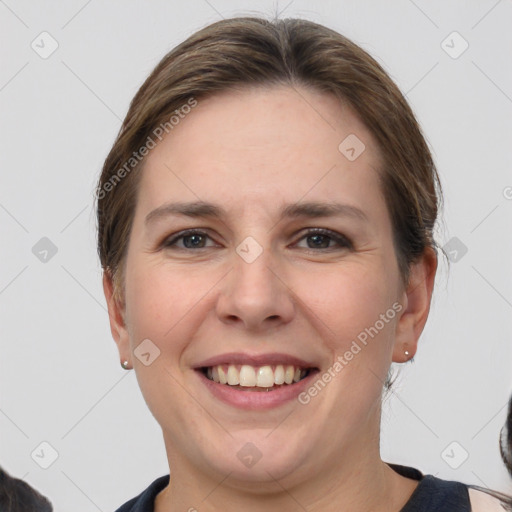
(190, 239)
(324, 239)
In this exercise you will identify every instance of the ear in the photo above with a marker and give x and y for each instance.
(416, 300)
(116, 314)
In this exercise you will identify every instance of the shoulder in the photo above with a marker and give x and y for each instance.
(434, 494)
(144, 502)
(439, 495)
(483, 502)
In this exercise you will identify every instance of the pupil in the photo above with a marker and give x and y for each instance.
(193, 241)
(319, 241)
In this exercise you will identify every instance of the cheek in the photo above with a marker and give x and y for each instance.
(161, 307)
(353, 304)
(162, 302)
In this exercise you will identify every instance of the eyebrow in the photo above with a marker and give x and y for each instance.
(199, 209)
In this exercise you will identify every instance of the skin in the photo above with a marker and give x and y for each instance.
(253, 151)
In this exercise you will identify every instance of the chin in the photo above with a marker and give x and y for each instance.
(256, 458)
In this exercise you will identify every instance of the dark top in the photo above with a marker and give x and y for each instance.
(431, 495)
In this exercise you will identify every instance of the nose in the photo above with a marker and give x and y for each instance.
(255, 295)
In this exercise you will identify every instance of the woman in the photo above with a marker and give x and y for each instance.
(266, 222)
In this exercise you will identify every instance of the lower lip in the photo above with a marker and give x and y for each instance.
(251, 400)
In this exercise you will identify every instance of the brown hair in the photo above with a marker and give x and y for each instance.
(240, 52)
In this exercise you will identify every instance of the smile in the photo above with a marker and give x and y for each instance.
(241, 380)
(255, 378)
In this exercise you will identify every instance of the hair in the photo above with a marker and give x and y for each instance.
(17, 496)
(506, 439)
(243, 52)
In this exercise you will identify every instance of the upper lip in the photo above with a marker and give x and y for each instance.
(254, 360)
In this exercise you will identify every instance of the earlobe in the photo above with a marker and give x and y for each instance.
(116, 315)
(416, 299)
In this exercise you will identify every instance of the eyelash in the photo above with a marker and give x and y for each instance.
(341, 240)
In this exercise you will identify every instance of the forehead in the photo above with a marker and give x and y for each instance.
(263, 145)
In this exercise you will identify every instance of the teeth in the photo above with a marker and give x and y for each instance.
(279, 374)
(233, 376)
(249, 376)
(223, 378)
(288, 374)
(265, 377)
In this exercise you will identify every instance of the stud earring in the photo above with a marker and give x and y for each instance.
(124, 364)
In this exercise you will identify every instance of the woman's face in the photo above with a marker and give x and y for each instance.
(261, 250)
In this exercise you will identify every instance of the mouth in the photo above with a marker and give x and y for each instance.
(256, 381)
(245, 377)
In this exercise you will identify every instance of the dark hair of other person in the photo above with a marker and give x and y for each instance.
(17, 496)
(506, 439)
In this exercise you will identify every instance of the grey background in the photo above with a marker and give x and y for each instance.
(59, 369)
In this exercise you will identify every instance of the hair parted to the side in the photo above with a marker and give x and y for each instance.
(240, 52)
